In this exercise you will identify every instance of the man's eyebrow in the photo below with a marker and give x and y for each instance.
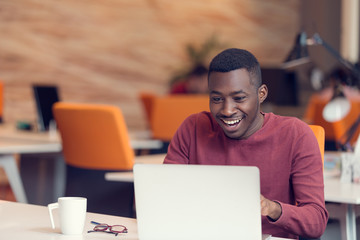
(232, 93)
(215, 92)
(237, 92)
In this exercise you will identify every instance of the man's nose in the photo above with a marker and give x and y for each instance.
(228, 108)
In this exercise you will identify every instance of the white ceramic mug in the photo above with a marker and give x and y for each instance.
(72, 213)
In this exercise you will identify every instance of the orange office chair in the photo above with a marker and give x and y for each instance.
(335, 131)
(336, 211)
(95, 140)
(320, 136)
(1, 102)
(170, 111)
(147, 100)
(313, 115)
(342, 126)
(319, 133)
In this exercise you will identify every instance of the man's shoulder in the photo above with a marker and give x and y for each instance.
(271, 117)
(284, 122)
(203, 116)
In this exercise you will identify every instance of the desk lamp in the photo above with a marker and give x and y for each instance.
(339, 106)
(349, 135)
(299, 54)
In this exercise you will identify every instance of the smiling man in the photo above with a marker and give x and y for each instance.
(237, 132)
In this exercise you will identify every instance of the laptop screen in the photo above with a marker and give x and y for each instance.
(197, 202)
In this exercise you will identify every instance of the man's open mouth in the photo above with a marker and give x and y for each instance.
(232, 122)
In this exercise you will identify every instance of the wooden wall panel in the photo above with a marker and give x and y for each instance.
(108, 51)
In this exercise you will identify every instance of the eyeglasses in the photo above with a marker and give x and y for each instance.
(103, 227)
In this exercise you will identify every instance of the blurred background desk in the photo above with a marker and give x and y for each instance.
(347, 199)
(129, 176)
(31, 147)
(342, 199)
(14, 142)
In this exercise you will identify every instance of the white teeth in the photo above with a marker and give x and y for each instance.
(231, 122)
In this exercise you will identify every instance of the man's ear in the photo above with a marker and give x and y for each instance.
(262, 93)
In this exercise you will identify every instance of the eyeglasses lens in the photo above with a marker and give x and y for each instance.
(101, 227)
(118, 229)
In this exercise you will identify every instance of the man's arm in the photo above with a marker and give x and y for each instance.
(270, 208)
(308, 216)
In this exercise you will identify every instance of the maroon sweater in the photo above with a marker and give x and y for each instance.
(287, 154)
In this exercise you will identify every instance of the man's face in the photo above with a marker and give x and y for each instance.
(235, 102)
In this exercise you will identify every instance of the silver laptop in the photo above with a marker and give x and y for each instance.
(195, 202)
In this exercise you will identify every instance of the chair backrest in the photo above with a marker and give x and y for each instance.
(147, 100)
(342, 126)
(320, 136)
(94, 136)
(1, 101)
(335, 131)
(168, 112)
(313, 115)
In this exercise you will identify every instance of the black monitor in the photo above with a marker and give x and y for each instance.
(45, 97)
(282, 86)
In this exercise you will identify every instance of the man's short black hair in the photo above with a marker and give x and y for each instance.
(233, 59)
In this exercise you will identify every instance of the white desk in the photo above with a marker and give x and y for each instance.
(32, 222)
(346, 197)
(13, 141)
(9, 134)
(140, 140)
(129, 176)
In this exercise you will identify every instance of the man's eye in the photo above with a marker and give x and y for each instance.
(216, 99)
(239, 99)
